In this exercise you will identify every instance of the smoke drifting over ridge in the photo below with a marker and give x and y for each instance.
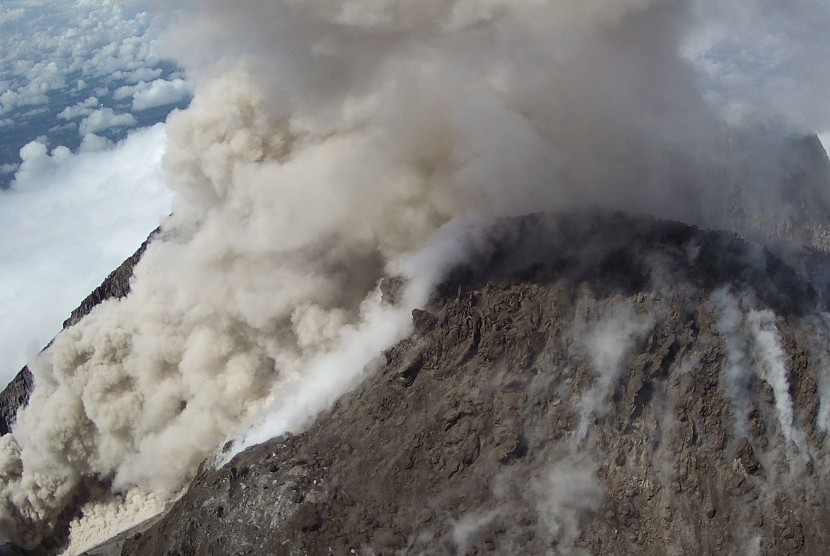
(326, 145)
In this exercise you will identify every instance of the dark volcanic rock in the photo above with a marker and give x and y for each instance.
(117, 284)
(11, 549)
(13, 397)
(575, 389)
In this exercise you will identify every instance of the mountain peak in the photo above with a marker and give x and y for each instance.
(602, 384)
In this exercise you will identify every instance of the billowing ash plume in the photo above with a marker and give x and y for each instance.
(326, 145)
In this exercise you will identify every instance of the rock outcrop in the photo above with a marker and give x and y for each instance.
(13, 397)
(603, 385)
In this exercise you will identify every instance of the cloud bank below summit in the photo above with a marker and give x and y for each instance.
(76, 232)
(64, 68)
(330, 144)
(51, 46)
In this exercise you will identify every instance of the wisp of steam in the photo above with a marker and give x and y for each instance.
(331, 144)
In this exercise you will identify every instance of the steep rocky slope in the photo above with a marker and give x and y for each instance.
(607, 385)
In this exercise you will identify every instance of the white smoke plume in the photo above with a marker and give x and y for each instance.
(772, 360)
(333, 371)
(738, 372)
(754, 351)
(326, 143)
(821, 351)
(607, 345)
(467, 527)
(569, 491)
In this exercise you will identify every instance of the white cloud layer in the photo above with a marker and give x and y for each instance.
(9, 15)
(79, 109)
(765, 59)
(50, 51)
(70, 220)
(43, 44)
(105, 118)
(160, 93)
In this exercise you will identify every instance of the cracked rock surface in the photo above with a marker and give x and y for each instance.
(597, 385)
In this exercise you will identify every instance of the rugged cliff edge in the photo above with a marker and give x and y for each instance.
(610, 385)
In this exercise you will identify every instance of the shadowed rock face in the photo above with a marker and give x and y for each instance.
(13, 397)
(607, 385)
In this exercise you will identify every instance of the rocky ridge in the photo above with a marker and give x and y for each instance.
(590, 384)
